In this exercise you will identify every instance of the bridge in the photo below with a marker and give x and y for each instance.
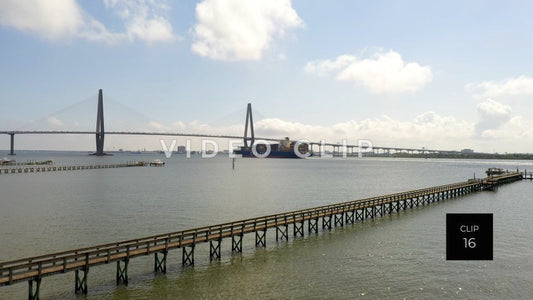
(33, 269)
(100, 133)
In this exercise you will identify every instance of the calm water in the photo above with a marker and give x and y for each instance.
(398, 256)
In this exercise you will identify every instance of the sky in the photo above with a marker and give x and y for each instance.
(435, 74)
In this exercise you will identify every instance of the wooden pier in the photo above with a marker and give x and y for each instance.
(33, 269)
(54, 168)
(527, 175)
(26, 163)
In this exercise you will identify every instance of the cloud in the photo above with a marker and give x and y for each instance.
(382, 73)
(492, 116)
(240, 29)
(55, 121)
(64, 20)
(519, 86)
(53, 20)
(50, 19)
(156, 126)
(515, 131)
(143, 19)
(427, 129)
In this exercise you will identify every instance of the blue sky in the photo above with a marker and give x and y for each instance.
(450, 74)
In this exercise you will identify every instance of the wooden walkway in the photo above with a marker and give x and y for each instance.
(53, 168)
(33, 269)
(26, 163)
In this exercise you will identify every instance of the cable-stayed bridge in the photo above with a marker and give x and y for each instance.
(248, 138)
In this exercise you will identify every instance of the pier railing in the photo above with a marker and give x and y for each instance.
(40, 168)
(34, 268)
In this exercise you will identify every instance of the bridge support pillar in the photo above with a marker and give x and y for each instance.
(214, 250)
(80, 285)
(187, 256)
(339, 220)
(260, 238)
(326, 222)
(378, 210)
(236, 243)
(160, 265)
(298, 228)
(12, 144)
(371, 214)
(365, 212)
(350, 217)
(122, 272)
(283, 231)
(360, 214)
(312, 225)
(33, 294)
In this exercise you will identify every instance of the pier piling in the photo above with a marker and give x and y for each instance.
(187, 256)
(33, 294)
(214, 249)
(80, 282)
(260, 238)
(122, 271)
(160, 265)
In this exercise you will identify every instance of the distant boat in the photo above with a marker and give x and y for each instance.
(284, 149)
(157, 163)
(495, 171)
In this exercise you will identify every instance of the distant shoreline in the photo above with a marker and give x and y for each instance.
(510, 156)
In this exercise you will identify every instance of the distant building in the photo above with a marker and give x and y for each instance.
(182, 150)
(467, 151)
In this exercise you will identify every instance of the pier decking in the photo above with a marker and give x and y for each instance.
(33, 269)
(53, 168)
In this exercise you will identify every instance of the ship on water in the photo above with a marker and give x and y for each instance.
(284, 149)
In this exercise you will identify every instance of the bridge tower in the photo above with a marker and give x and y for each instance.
(100, 133)
(12, 146)
(249, 121)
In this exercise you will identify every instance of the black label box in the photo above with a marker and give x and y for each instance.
(469, 237)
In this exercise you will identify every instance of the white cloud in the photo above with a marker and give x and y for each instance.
(54, 121)
(54, 20)
(382, 73)
(492, 115)
(51, 19)
(519, 86)
(240, 29)
(65, 19)
(427, 129)
(516, 130)
(156, 126)
(493, 109)
(143, 19)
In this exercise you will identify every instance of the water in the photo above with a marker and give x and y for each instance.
(397, 256)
